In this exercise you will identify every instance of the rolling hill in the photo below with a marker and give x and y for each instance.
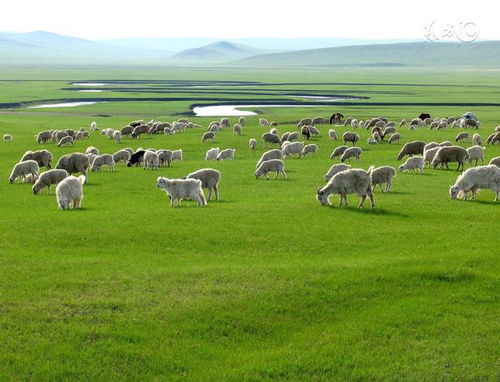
(219, 51)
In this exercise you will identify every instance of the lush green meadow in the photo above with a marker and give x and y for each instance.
(265, 283)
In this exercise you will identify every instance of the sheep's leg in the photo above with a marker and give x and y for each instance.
(362, 201)
(209, 193)
(216, 191)
(284, 174)
(497, 196)
(171, 202)
(76, 203)
(372, 200)
(341, 200)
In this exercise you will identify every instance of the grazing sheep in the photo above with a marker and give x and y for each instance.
(208, 135)
(178, 189)
(429, 154)
(122, 155)
(44, 137)
(293, 136)
(271, 139)
(103, 160)
(371, 141)
(476, 153)
(338, 151)
(377, 130)
(49, 178)
(79, 135)
(493, 138)
(127, 130)
(139, 130)
(433, 125)
(318, 121)
(495, 161)
(306, 133)
(332, 134)
(431, 145)
(263, 122)
(285, 136)
(177, 155)
(413, 164)
(272, 165)
(117, 136)
(304, 121)
(450, 154)
(93, 126)
(309, 149)
(69, 192)
(67, 140)
(462, 137)
(136, 158)
(394, 138)
(28, 167)
(382, 175)
(388, 130)
(165, 156)
(292, 148)
(348, 121)
(476, 140)
(335, 169)
(445, 144)
(416, 122)
(466, 123)
(351, 152)
(242, 121)
(402, 123)
(92, 149)
(361, 124)
(252, 144)
(237, 129)
(210, 179)
(226, 154)
(411, 148)
(313, 130)
(179, 126)
(268, 155)
(284, 143)
(474, 179)
(212, 153)
(497, 129)
(349, 136)
(42, 157)
(274, 131)
(151, 160)
(225, 122)
(73, 163)
(347, 182)
(376, 137)
(354, 123)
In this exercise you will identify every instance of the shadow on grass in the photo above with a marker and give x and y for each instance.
(367, 210)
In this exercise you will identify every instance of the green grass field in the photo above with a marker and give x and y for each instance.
(265, 283)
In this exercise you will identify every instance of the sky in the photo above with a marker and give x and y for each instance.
(383, 19)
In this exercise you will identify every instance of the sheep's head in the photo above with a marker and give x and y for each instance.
(401, 168)
(454, 192)
(322, 197)
(162, 182)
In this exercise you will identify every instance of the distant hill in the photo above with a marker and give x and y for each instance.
(219, 51)
(476, 54)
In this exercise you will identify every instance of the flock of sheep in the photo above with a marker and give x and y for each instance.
(341, 178)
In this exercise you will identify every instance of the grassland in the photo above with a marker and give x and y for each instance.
(264, 284)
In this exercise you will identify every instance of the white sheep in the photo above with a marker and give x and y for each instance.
(93, 126)
(177, 155)
(350, 153)
(473, 179)
(25, 168)
(263, 122)
(252, 144)
(376, 137)
(413, 163)
(165, 156)
(336, 168)
(212, 153)
(476, 153)
(92, 149)
(237, 129)
(272, 165)
(226, 154)
(242, 121)
(49, 178)
(208, 135)
(429, 154)
(394, 138)
(69, 192)
(268, 155)
(7, 138)
(309, 149)
(347, 182)
(179, 189)
(151, 160)
(67, 140)
(476, 140)
(210, 179)
(382, 175)
(103, 160)
(371, 141)
(338, 151)
(292, 148)
(117, 136)
(121, 155)
(462, 137)
(332, 134)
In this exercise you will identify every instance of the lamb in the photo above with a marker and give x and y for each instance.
(450, 154)
(117, 136)
(476, 139)
(268, 155)
(92, 149)
(165, 156)
(292, 148)
(226, 154)
(351, 152)
(376, 137)
(67, 140)
(151, 160)
(477, 178)
(7, 138)
(49, 178)
(212, 153)
(122, 155)
(252, 144)
(42, 157)
(309, 149)
(73, 163)
(476, 153)
(263, 122)
(93, 126)
(271, 139)
(413, 164)
(69, 192)
(495, 161)
(389, 130)
(242, 121)
(394, 138)
(347, 182)
(103, 160)
(429, 154)
(210, 179)
(349, 136)
(272, 165)
(237, 129)
(25, 168)
(382, 175)
(402, 123)
(411, 148)
(177, 155)
(178, 189)
(335, 169)
(136, 158)
(44, 137)
(338, 151)
(332, 134)
(462, 137)
(493, 138)
(208, 135)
